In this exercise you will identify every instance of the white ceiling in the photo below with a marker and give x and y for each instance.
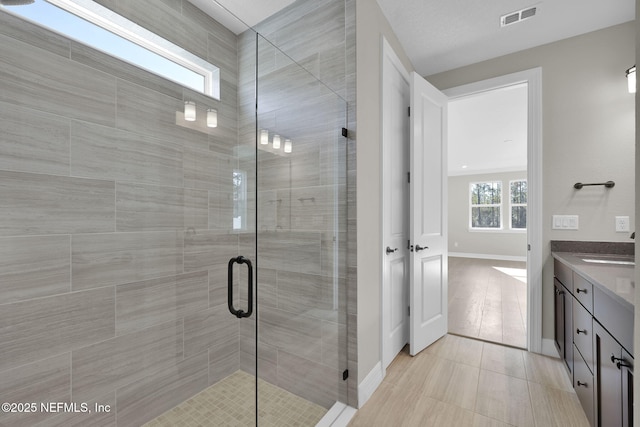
(487, 132)
(440, 35)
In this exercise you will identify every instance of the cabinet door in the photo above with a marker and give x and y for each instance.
(568, 331)
(608, 378)
(558, 305)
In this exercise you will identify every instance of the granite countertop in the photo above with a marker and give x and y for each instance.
(616, 280)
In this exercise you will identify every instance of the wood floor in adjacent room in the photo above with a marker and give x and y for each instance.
(488, 300)
(465, 382)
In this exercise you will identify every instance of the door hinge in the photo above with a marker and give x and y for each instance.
(409, 111)
(345, 374)
(409, 177)
(345, 132)
(409, 310)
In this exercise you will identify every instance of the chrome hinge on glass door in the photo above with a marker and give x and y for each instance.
(239, 313)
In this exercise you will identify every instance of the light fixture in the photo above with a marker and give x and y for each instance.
(190, 111)
(631, 79)
(276, 142)
(212, 118)
(264, 137)
(287, 145)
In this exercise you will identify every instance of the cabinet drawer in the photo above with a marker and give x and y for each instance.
(583, 291)
(583, 333)
(616, 318)
(584, 386)
(563, 274)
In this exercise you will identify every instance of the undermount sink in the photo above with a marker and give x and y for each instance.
(612, 261)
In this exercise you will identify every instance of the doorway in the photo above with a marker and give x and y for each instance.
(512, 189)
(487, 174)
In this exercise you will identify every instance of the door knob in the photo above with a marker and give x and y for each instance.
(390, 251)
(419, 248)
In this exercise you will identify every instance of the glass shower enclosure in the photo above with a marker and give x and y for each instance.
(173, 220)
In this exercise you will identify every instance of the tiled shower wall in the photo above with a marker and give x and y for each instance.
(114, 223)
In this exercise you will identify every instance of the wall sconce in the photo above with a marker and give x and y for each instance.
(264, 137)
(212, 118)
(288, 145)
(276, 142)
(190, 111)
(631, 79)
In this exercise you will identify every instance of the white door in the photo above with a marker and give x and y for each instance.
(428, 222)
(395, 251)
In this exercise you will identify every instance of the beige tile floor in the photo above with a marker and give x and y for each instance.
(488, 300)
(231, 403)
(461, 382)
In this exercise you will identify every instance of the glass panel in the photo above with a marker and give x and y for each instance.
(519, 217)
(486, 193)
(301, 240)
(97, 27)
(519, 192)
(485, 217)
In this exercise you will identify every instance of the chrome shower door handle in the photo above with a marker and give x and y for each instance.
(240, 313)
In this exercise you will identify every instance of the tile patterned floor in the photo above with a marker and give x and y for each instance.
(231, 402)
(464, 382)
(488, 300)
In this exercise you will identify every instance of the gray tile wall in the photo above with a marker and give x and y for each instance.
(114, 223)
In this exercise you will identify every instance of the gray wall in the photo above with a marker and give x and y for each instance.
(498, 243)
(588, 133)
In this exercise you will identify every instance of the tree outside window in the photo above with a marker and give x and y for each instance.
(518, 201)
(486, 201)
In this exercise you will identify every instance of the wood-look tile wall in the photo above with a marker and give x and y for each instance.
(115, 229)
(115, 226)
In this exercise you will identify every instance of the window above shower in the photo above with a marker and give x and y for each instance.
(102, 29)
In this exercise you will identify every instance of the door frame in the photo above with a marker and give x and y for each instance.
(533, 78)
(388, 54)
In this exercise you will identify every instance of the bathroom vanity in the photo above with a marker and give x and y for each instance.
(594, 309)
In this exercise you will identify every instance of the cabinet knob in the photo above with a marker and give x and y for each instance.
(581, 331)
(578, 290)
(581, 384)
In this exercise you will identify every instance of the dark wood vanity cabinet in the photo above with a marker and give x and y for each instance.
(594, 336)
(563, 324)
(614, 380)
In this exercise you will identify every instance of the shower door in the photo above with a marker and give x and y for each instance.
(170, 248)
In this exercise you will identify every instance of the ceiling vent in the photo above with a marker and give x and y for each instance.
(519, 16)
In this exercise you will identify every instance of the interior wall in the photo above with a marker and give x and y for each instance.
(588, 133)
(494, 243)
(371, 25)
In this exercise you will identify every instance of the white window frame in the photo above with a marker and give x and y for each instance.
(108, 20)
(498, 205)
(512, 205)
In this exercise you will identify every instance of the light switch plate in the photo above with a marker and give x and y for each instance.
(565, 222)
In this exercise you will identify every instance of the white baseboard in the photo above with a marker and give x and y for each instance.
(371, 382)
(549, 348)
(488, 256)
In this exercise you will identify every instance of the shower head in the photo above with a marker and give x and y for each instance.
(15, 2)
